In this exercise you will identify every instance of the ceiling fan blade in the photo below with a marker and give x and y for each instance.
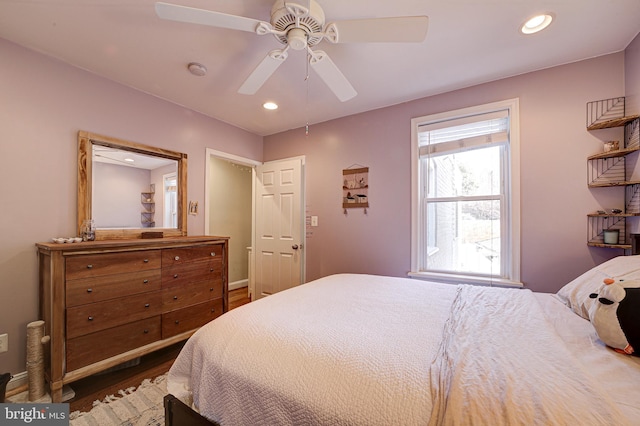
(331, 75)
(263, 71)
(174, 12)
(400, 29)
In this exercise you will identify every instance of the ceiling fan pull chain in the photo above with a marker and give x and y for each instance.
(306, 106)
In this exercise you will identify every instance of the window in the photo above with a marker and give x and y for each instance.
(465, 196)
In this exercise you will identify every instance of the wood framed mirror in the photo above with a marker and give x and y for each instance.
(129, 188)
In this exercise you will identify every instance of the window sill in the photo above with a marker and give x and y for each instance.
(465, 279)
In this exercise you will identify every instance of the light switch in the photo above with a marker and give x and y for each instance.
(314, 220)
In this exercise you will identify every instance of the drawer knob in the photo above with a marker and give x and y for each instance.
(176, 258)
(213, 253)
(175, 297)
(89, 266)
(90, 318)
(210, 269)
(177, 322)
(89, 290)
(146, 261)
(146, 305)
(210, 288)
(213, 310)
(146, 331)
(145, 281)
(175, 276)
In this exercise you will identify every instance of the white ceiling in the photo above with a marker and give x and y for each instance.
(468, 42)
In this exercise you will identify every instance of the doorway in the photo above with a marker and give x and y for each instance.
(230, 206)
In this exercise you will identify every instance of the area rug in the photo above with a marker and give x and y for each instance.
(141, 406)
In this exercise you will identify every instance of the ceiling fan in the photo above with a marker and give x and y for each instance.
(300, 26)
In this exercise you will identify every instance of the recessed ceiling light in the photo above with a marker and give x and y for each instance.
(270, 105)
(537, 23)
(197, 69)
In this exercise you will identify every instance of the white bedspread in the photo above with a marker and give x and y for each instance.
(491, 369)
(346, 349)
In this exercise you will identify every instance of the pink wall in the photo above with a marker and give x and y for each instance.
(43, 104)
(632, 76)
(554, 194)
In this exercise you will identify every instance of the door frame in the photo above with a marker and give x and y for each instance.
(207, 204)
(253, 164)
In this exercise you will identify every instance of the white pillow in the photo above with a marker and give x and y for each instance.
(576, 293)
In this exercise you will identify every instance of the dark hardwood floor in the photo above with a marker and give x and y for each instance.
(99, 386)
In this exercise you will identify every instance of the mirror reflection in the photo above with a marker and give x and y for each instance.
(126, 189)
(132, 190)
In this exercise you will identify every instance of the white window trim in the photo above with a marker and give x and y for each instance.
(513, 188)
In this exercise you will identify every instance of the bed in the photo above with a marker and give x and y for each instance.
(353, 349)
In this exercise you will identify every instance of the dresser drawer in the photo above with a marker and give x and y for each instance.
(177, 297)
(186, 319)
(97, 289)
(178, 256)
(91, 265)
(94, 317)
(95, 347)
(191, 272)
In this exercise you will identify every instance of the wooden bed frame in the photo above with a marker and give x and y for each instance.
(177, 413)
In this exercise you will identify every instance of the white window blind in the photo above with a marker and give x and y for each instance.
(463, 134)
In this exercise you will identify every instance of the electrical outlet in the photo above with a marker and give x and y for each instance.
(4, 342)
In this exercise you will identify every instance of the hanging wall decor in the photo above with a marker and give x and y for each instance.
(355, 188)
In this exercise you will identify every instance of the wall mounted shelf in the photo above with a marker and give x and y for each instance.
(610, 169)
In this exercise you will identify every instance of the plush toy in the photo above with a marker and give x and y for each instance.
(616, 315)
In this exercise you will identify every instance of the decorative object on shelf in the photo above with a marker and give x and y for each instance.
(611, 146)
(87, 230)
(611, 168)
(610, 236)
(61, 240)
(355, 187)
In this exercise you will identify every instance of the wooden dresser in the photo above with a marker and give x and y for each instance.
(108, 302)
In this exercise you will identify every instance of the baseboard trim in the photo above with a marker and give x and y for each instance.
(239, 284)
(18, 382)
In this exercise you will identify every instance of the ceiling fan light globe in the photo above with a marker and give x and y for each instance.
(297, 39)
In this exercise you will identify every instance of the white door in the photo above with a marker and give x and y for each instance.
(279, 226)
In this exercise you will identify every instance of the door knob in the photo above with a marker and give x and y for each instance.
(295, 247)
